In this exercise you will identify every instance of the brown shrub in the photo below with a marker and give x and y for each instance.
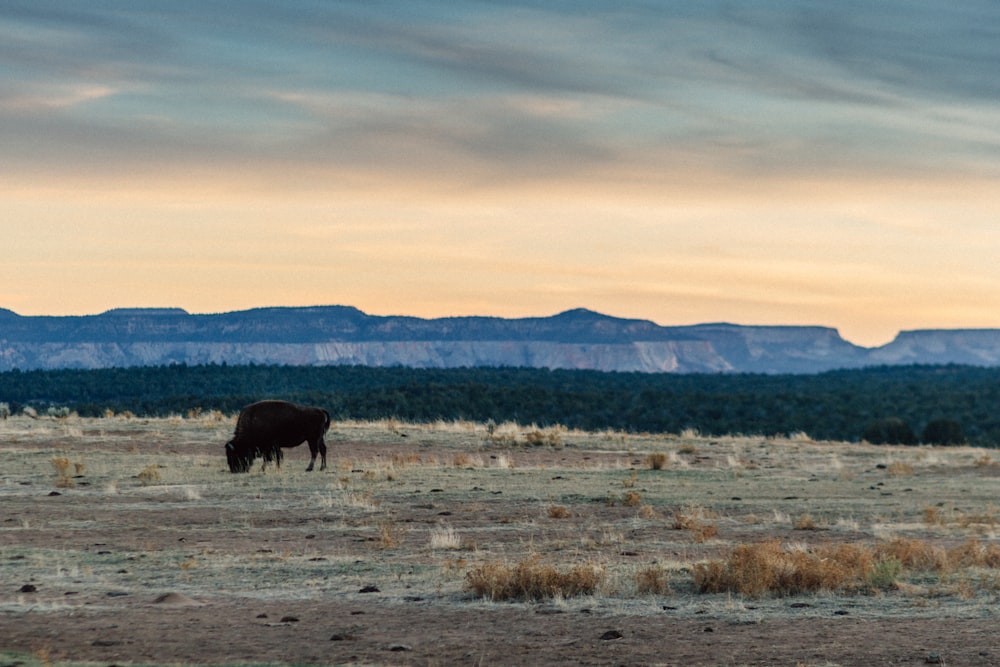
(915, 554)
(149, 474)
(656, 461)
(631, 499)
(532, 580)
(975, 554)
(704, 532)
(558, 512)
(755, 570)
(767, 568)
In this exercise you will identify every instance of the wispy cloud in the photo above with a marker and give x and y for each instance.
(754, 86)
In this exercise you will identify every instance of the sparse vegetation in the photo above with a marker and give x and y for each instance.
(444, 517)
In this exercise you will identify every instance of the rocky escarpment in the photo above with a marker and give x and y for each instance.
(974, 347)
(575, 339)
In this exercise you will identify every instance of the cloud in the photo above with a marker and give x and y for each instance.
(506, 90)
(37, 98)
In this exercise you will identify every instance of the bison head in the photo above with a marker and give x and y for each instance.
(239, 461)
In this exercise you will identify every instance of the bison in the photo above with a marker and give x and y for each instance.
(263, 428)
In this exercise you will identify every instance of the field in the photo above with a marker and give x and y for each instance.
(127, 541)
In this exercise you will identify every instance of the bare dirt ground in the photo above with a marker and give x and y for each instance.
(126, 541)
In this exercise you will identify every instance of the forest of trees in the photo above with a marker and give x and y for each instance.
(946, 404)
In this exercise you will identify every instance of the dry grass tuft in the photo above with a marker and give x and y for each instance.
(532, 580)
(696, 520)
(899, 469)
(980, 519)
(61, 464)
(631, 499)
(975, 554)
(688, 448)
(766, 568)
(657, 461)
(390, 535)
(558, 512)
(934, 516)
(405, 460)
(915, 554)
(648, 512)
(654, 580)
(551, 437)
(984, 461)
(445, 537)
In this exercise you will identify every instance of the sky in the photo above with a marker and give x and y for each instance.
(791, 162)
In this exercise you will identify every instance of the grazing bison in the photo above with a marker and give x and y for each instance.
(265, 427)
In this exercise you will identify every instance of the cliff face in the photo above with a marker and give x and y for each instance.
(576, 339)
(974, 347)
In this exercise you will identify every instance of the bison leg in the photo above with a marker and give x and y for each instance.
(317, 446)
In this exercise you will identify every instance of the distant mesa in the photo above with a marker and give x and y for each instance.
(143, 312)
(343, 335)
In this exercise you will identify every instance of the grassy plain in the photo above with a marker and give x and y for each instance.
(126, 540)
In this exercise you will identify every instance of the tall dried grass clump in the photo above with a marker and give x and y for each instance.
(654, 580)
(657, 461)
(445, 537)
(696, 520)
(558, 512)
(631, 499)
(915, 554)
(62, 465)
(975, 554)
(755, 570)
(768, 568)
(551, 437)
(532, 580)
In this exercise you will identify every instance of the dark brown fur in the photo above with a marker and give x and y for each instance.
(263, 428)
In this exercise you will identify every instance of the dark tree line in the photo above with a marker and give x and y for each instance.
(946, 404)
